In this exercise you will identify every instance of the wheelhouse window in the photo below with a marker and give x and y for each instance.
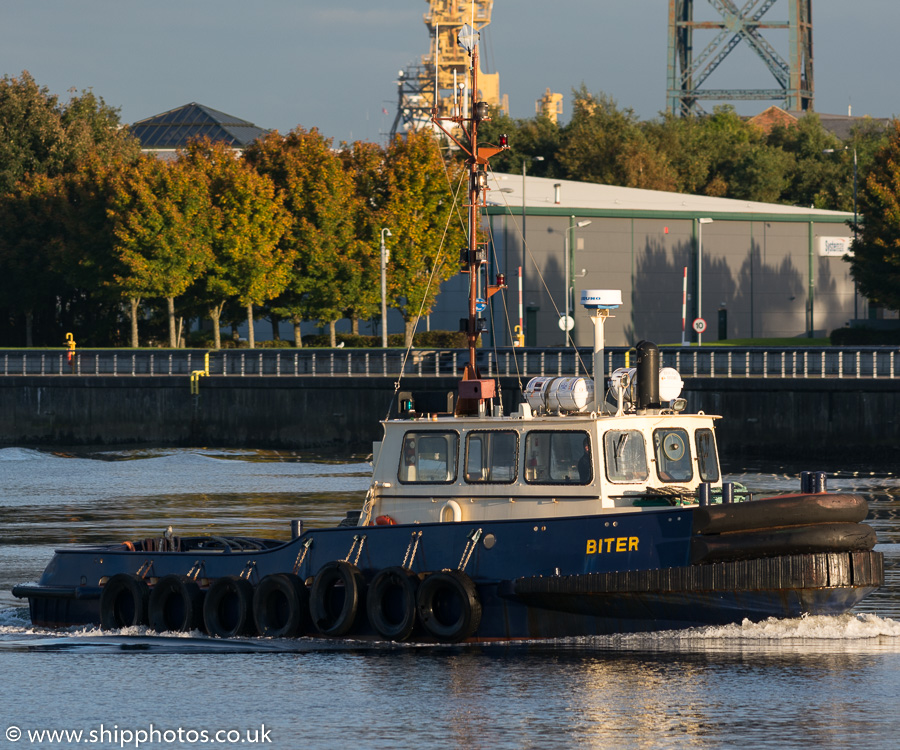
(428, 457)
(707, 459)
(558, 458)
(626, 456)
(492, 456)
(673, 455)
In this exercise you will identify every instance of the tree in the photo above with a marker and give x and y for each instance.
(246, 224)
(875, 264)
(815, 178)
(38, 135)
(52, 157)
(320, 197)
(427, 233)
(161, 216)
(365, 163)
(605, 144)
(528, 138)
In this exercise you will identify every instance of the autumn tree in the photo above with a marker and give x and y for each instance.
(52, 211)
(365, 163)
(875, 264)
(425, 225)
(246, 224)
(40, 135)
(160, 216)
(319, 194)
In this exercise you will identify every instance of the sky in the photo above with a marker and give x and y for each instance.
(333, 64)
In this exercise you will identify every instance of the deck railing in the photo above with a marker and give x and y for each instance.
(701, 362)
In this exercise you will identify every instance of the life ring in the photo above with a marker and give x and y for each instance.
(385, 521)
(281, 606)
(228, 607)
(176, 604)
(123, 602)
(391, 603)
(448, 606)
(336, 598)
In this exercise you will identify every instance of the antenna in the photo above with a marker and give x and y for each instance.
(599, 302)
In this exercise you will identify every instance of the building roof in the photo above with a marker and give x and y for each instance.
(588, 198)
(838, 125)
(173, 129)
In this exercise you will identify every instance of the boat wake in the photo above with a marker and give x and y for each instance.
(848, 633)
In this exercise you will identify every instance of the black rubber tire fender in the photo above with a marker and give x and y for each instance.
(123, 602)
(337, 598)
(176, 604)
(448, 606)
(228, 607)
(391, 603)
(281, 606)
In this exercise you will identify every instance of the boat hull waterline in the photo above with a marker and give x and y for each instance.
(545, 578)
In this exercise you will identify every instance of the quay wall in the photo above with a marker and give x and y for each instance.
(772, 418)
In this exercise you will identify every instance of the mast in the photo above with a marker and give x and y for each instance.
(473, 390)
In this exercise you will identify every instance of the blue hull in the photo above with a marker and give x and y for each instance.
(544, 578)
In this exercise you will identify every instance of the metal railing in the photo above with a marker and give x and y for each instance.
(701, 362)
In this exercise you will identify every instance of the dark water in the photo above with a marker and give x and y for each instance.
(829, 682)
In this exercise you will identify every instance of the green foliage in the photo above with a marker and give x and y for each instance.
(91, 232)
(876, 261)
(247, 221)
(319, 195)
(162, 225)
(38, 135)
(427, 230)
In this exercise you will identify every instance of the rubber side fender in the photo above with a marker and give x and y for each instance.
(281, 606)
(124, 601)
(391, 603)
(448, 606)
(337, 598)
(176, 604)
(228, 607)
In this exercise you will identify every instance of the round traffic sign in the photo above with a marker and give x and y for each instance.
(480, 305)
(566, 322)
(699, 325)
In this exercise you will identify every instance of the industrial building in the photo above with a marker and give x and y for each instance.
(752, 269)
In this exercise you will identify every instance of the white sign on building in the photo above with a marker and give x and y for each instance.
(835, 247)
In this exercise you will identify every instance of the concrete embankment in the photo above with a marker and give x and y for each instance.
(776, 418)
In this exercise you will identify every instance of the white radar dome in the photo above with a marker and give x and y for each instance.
(601, 299)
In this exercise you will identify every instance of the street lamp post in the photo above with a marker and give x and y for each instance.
(700, 223)
(525, 160)
(855, 223)
(567, 270)
(384, 259)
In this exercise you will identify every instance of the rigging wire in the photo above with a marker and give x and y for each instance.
(434, 267)
(493, 245)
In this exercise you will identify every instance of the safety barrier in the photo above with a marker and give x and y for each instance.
(699, 362)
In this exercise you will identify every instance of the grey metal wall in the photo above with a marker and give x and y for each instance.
(757, 270)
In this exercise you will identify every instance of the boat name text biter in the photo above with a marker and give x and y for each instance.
(612, 544)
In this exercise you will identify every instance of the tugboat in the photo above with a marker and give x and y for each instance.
(596, 507)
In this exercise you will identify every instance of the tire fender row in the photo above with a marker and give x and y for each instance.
(397, 604)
